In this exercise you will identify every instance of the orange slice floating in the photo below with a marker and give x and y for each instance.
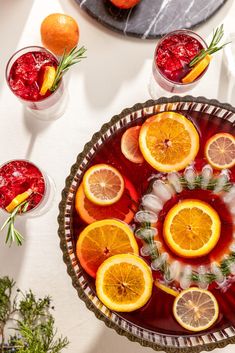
(130, 145)
(197, 69)
(124, 209)
(168, 141)
(166, 289)
(191, 228)
(196, 309)
(124, 283)
(103, 239)
(103, 184)
(220, 151)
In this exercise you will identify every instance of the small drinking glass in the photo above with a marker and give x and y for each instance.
(18, 176)
(159, 82)
(24, 75)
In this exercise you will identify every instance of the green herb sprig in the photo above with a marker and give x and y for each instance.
(31, 321)
(212, 48)
(66, 61)
(13, 235)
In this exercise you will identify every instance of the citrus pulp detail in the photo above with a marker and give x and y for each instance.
(169, 141)
(196, 309)
(220, 151)
(191, 228)
(103, 239)
(103, 184)
(124, 283)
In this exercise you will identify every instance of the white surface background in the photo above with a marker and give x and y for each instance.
(114, 76)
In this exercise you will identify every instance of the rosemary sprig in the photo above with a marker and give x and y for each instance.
(13, 235)
(66, 61)
(212, 48)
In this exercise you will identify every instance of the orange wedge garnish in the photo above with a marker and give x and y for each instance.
(48, 79)
(18, 200)
(197, 69)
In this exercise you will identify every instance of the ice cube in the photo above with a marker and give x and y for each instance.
(174, 180)
(151, 202)
(162, 190)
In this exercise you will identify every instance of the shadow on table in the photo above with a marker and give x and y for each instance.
(14, 15)
(35, 128)
(107, 70)
(226, 90)
(110, 341)
(12, 258)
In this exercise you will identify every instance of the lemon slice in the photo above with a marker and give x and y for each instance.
(124, 283)
(48, 79)
(168, 141)
(196, 309)
(220, 151)
(103, 184)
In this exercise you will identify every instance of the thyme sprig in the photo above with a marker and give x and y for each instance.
(66, 61)
(212, 48)
(13, 235)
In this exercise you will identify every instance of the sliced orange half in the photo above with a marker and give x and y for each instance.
(124, 209)
(103, 184)
(169, 141)
(197, 70)
(220, 151)
(191, 228)
(103, 239)
(196, 309)
(48, 79)
(124, 283)
(130, 145)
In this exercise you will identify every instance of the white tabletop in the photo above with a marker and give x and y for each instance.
(114, 76)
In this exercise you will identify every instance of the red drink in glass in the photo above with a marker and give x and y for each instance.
(172, 57)
(24, 74)
(18, 176)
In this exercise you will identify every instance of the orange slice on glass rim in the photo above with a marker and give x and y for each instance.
(197, 70)
(124, 209)
(48, 79)
(103, 184)
(130, 145)
(196, 309)
(220, 151)
(124, 283)
(103, 239)
(168, 141)
(191, 228)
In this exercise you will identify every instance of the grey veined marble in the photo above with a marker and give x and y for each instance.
(151, 18)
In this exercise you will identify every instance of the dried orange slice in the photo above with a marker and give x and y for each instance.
(124, 283)
(48, 79)
(130, 145)
(220, 151)
(168, 141)
(191, 228)
(197, 69)
(196, 309)
(102, 239)
(103, 184)
(124, 209)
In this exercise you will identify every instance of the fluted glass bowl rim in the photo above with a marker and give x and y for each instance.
(161, 341)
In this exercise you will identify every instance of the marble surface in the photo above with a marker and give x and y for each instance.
(114, 76)
(151, 18)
